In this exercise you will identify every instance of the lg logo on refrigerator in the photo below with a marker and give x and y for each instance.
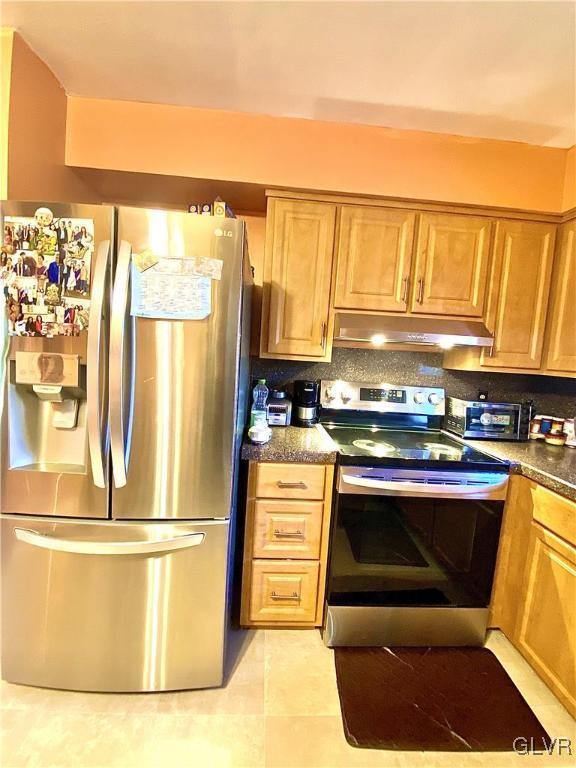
(223, 232)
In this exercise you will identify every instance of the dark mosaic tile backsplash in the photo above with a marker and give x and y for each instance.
(554, 396)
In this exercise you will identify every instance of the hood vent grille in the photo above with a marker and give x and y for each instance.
(378, 330)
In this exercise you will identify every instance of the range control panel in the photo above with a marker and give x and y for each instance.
(382, 398)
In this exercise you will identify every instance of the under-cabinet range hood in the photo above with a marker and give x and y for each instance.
(377, 330)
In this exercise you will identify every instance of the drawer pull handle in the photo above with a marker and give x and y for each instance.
(289, 534)
(298, 484)
(293, 596)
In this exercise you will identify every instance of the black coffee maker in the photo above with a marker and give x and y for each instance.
(305, 403)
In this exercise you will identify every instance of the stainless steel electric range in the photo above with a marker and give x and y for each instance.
(416, 521)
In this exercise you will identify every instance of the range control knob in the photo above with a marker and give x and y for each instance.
(329, 395)
(346, 396)
(434, 398)
(418, 397)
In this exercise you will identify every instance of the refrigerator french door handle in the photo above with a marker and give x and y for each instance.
(93, 384)
(119, 425)
(73, 546)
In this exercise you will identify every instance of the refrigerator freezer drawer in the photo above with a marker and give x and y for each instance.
(113, 606)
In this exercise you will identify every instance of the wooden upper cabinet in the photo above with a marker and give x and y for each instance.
(297, 277)
(451, 265)
(561, 329)
(374, 256)
(520, 285)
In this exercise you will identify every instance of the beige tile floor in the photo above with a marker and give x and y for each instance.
(280, 708)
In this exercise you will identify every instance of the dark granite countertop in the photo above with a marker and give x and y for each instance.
(552, 466)
(306, 444)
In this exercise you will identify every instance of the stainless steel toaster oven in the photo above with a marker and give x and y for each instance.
(488, 421)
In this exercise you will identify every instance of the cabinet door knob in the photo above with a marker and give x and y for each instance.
(323, 339)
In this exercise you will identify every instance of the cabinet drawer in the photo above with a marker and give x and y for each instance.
(555, 513)
(287, 529)
(290, 481)
(283, 592)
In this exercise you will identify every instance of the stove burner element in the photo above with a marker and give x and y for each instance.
(376, 449)
(442, 450)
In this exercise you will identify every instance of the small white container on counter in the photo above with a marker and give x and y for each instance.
(260, 433)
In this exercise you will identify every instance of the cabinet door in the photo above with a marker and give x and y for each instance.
(374, 256)
(289, 529)
(451, 265)
(520, 284)
(514, 543)
(289, 481)
(561, 329)
(548, 627)
(297, 275)
(284, 591)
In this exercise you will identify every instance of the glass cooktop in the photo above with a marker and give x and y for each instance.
(370, 445)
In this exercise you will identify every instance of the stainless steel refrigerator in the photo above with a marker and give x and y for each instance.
(123, 410)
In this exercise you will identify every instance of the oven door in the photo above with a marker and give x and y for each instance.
(412, 556)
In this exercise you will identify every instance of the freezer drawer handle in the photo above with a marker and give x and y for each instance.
(298, 484)
(108, 547)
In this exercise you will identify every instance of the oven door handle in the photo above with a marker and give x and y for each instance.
(425, 489)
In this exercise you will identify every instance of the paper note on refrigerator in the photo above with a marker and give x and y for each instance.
(204, 266)
(164, 292)
(145, 259)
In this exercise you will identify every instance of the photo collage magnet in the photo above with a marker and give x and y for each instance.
(45, 274)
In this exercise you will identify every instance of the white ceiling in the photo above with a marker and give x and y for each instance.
(503, 70)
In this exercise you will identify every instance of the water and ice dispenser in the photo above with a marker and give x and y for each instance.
(47, 412)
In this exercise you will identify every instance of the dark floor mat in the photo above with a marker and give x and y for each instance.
(436, 699)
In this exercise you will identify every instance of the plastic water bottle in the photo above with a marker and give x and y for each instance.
(258, 410)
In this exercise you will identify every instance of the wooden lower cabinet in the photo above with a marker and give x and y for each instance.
(547, 632)
(284, 591)
(287, 529)
(534, 600)
(289, 481)
(286, 544)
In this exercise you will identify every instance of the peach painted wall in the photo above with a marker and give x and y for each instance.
(6, 38)
(37, 133)
(569, 200)
(313, 155)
